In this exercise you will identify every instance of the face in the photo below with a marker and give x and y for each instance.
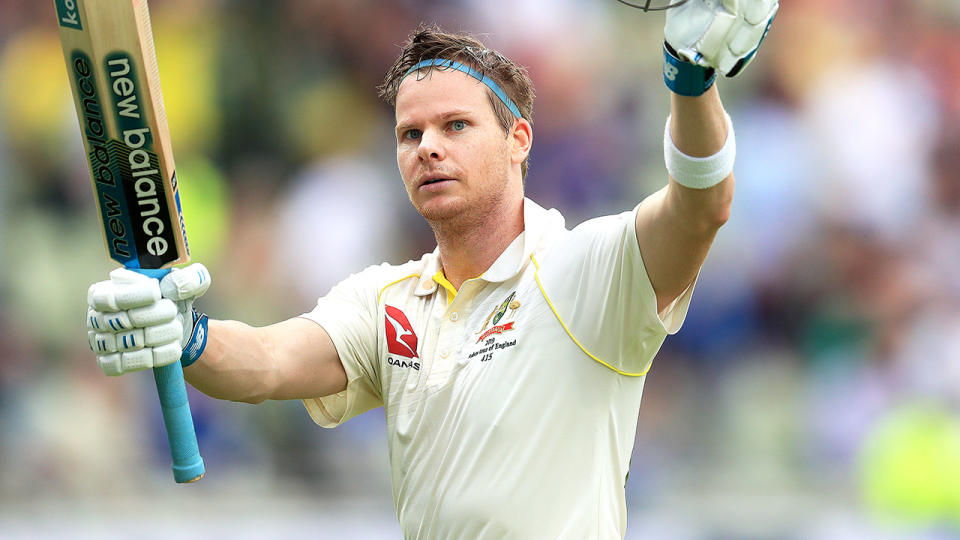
(455, 159)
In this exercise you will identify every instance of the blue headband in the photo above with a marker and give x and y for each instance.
(491, 84)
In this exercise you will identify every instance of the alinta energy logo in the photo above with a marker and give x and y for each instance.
(497, 315)
(401, 339)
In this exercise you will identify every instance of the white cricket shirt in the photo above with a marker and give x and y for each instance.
(511, 405)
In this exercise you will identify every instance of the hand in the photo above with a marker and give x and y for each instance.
(719, 34)
(135, 322)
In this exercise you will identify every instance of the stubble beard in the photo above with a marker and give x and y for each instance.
(466, 217)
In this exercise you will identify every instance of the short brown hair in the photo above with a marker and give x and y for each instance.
(428, 42)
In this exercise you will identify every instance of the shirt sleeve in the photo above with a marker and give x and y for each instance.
(348, 315)
(598, 286)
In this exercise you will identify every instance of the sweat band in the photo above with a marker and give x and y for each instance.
(699, 172)
(491, 84)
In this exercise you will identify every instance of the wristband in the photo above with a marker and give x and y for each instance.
(685, 78)
(699, 172)
(197, 342)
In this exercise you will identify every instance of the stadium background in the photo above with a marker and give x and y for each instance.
(813, 392)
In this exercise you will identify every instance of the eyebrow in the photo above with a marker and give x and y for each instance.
(403, 126)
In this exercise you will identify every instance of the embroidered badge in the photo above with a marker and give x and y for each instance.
(497, 315)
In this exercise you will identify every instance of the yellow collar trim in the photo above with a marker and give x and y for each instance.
(443, 282)
(394, 282)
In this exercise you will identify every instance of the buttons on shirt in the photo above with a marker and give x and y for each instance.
(454, 317)
(444, 353)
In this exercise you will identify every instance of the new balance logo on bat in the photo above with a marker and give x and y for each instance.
(141, 167)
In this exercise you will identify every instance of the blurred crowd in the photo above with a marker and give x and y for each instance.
(814, 391)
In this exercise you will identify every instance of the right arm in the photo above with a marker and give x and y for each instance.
(293, 359)
(135, 322)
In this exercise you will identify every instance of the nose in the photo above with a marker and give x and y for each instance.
(431, 146)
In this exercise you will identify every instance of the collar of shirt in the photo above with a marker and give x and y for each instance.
(537, 223)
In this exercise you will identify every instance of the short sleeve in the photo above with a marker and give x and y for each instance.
(598, 285)
(348, 315)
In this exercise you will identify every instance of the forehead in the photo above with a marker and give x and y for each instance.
(437, 91)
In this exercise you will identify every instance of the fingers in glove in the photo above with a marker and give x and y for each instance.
(742, 42)
(102, 342)
(131, 340)
(119, 363)
(136, 295)
(123, 294)
(100, 297)
(93, 322)
(162, 334)
(186, 283)
(136, 360)
(110, 364)
(156, 313)
(758, 13)
(166, 354)
(715, 36)
(97, 291)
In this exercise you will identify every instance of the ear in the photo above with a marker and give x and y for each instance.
(521, 137)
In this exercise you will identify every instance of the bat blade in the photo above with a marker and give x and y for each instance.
(112, 67)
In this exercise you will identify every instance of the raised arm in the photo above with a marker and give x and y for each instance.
(677, 225)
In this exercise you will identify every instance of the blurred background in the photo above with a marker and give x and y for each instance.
(813, 393)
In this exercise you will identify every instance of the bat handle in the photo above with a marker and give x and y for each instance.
(187, 463)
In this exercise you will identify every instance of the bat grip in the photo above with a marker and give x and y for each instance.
(187, 463)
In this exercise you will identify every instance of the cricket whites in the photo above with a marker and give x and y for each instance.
(112, 67)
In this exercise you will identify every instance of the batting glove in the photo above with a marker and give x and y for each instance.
(135, 322)
(705, 36)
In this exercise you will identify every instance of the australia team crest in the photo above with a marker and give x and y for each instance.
(503, 313)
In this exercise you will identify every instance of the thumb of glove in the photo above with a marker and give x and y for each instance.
(186, 283)
(185, 316)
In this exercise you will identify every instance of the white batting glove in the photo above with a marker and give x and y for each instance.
(720, 34)
(135, 322)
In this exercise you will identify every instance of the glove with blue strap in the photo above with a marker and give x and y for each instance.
(706, 36)
(135, 322)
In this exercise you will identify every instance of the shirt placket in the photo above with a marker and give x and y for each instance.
(450, 322)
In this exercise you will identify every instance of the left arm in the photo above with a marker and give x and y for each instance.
(676, 225)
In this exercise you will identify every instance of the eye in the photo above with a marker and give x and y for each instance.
(458, 125)
(412, 134)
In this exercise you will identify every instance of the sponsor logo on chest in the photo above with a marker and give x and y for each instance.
(401, 339)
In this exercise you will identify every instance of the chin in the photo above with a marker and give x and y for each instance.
(441, 208)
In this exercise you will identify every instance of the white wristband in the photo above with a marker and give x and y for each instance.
(699, 172)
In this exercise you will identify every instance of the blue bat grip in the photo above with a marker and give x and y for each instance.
(187, 463)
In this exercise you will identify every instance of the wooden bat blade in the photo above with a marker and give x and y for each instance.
(108, 48)
(112, 67)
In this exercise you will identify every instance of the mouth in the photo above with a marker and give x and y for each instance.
(435, 181)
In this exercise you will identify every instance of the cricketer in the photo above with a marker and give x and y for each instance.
(510, 361)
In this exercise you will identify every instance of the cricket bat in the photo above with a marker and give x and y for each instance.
(112, 67)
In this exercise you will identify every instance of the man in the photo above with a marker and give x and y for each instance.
(510, 361)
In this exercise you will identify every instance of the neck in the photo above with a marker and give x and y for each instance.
(467, 249)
